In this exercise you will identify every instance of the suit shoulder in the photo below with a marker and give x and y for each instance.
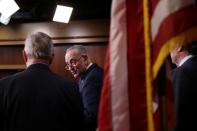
(96, 74)
(11, 77)
(97, 70)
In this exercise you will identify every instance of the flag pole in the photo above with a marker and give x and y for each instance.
(148, 75)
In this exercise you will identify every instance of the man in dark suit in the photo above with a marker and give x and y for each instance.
(36, 99)
(184, 79)
(90, 82)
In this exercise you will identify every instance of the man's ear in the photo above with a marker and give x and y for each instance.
(24, 56)
(179, 49)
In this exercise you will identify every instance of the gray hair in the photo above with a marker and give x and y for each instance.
(81, 49)
(39, 45)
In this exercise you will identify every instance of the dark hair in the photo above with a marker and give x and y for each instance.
(191, 47)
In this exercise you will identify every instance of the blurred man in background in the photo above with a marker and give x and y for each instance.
(184, 79)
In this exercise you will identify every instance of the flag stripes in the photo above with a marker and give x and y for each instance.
(165, 8)
(118, 67)
(142, 32)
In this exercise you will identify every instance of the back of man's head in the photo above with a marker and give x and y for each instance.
(39, 46)
(191, 47)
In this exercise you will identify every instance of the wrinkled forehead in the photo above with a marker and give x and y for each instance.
(71, 54)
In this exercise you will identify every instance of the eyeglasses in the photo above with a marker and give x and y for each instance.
(72, 63)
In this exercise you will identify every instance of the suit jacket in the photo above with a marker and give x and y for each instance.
(184, 79)
(39, 100)
(90, 85)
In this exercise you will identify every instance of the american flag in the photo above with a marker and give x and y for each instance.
(141, 34)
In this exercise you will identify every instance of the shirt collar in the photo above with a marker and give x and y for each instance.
(89, 65)
(185, 59)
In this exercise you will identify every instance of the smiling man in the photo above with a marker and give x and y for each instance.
(90, 82)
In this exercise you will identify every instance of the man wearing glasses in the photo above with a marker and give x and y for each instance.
(90, 82)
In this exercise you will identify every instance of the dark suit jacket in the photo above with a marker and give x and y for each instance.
(184, 79)
(39, 100)
(90, 85)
